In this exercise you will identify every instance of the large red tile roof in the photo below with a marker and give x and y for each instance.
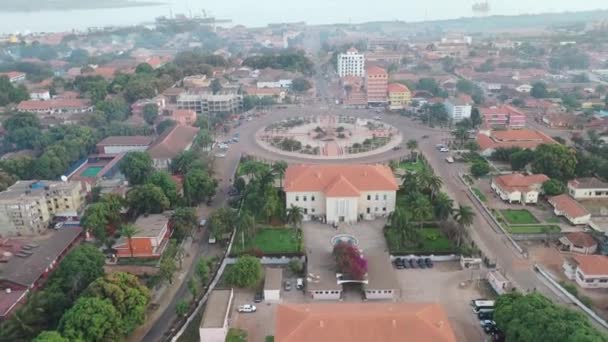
(175, 140)
(363, 322)
(126, 140)
(581, 239)
(519, 182)
(376, 70)
(340, 180)
(53, 104)
(523, 138)
(568, 205)
(398, 88)
(502, 110)
(592, 264)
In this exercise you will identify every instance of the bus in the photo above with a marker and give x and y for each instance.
(482, 305)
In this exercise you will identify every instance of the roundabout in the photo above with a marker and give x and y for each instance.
(328, 137)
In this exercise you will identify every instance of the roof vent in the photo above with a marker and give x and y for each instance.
(440, 324)
(394, 323)
(8, 290)
(321, 324)
(318, 175)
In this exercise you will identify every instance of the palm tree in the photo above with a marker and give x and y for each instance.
(279, 169)
(420, 208)
(443, 206)
(461, 134)
(401, 220)
(430, 181)
(295, 216)
(246, 223)
(412, 144)
(411, 182)
(128, 231)
(464, 215)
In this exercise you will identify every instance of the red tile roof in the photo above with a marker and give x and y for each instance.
(173, 141)
(53, 104)
(376, 70)
(502, 110)
(581, 239)
(592, 264)
(519, 182)
(126, 140)
(398, 88)
(568, 205)
(523, 138)
(12, 74)
(264, 91)
(339, 180)
(363, 322)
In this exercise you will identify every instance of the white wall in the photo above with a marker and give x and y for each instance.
(379, 294)
(313, 208)
(321, 295)
(124, 149)
(594, 280)
(345, 207)
(213, 334)
(272, 295)
(587, 193)
(378, 200)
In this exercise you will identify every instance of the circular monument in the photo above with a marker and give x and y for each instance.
(344, 238)
(328, 137)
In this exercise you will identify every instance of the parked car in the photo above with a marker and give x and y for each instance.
(258, 297)
(220, 155)
(287, 285)
(444, 149)
(485, 315)
(428, 262)
(412, 263)
(299, 283)
(396, 148)
(247, 308)
(421, 263)
(449, 159)
(399, 263)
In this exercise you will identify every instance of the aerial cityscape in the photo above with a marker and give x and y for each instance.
(436, 176)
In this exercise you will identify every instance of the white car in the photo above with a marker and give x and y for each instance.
(247, 308)
(449, 160)
(220, 155)
(444, 149)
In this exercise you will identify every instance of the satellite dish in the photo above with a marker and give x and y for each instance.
(64, 178)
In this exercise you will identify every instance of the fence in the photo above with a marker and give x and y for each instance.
(284, 260)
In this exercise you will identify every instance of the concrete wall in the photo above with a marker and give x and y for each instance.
(342, 209)
(213, 334)
(379, 294)
(123, 149)
(322, 295)
(587, 193)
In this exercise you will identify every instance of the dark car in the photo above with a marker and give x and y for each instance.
(412, 263)
(421, 263)
(483, 315)
(428, 262)
(399, 263)
(258, 298)
(396, 148)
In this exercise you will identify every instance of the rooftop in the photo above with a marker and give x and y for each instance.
(519, 182)
(53, 104)
(379, 272)
(36, 188)
(151, 225)
(217, 308)
(175, 140)
(568, 205)
(398, 88)
(592, 264)
(581, 239)
(273, 278)
(523, 138)
(126, 140)
(376, 70)
(588, 183)
(501, 110)
(322, 272)
(37, 258)
(363, 322)
(339, 180)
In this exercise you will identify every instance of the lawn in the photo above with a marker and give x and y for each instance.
(409, 166)
(534, 229)
(432, 241)
(270, 241)
(518, 216)
(479, 194)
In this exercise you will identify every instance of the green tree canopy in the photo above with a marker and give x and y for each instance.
(163, 180)
(247, 272)
(184, 222)
(148, 199)
(150, 113)
(198, 186)
(78, 269)
(553, 187)
(50, 336)
(137, 167)
(92, 319)
(480, 168)
(555, 160)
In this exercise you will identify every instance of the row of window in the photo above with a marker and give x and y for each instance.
(305, 198)
(379, 291)
(592, 280)
(377, 197)
(376, 209)
(369, 198)
(327, 292)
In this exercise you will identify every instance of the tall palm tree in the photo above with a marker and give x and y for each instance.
(420, 208)
(430, 181)
(401, 220)
(128, 231)
(411, 182)
(443, 206)
(412, 144)
(295, 216)
(460, 134)
(279, 169)
(246, 223)
(464, 215)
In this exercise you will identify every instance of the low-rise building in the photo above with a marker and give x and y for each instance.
(507, 117)
(27, 207)
(354, 94)
(123, 144)
(363, 322)
(55, 106)
(588, 188)
(278, 94)
(459, 108)
(489, 140)
(208, 103)
(498, 281)
(579, 242)
(272, 284)
(150, 239)
(564, 205)
(588, 271)
(14, 76)
(214, 324)
(176, 139)
(341, 193)
(399, 96)
(380, 283)
(184, 116)
(519, 188)
(40, 95)
(137, 108)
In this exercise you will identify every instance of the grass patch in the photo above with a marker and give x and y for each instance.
(533, 229)
(518, 216)
(409, 166)
(553, 220)
(270, 241)
(432, 241)
(480, 194)
(138, 261)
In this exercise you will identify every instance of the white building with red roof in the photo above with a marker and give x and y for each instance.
(341, 193)
(504, 117)
(490, 140)
(579, 242)
(56, 106)
(564, 205)
(589, 271)
(519, 188)
(14, 76)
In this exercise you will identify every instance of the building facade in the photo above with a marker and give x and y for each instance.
(588, 188)
(504, 117)
(574, 212)
(341, 193)
(376, 83)
(351, 63)
(173, 141)
(589, 271)
(150, 240)
(27, 207)
(207, 103)
(399, 96)
(124, 144)
(518, 188)
(458, 109)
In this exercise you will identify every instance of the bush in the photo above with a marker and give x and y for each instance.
(480, 168)
(246, 272)
(296, 266)
(570, 288)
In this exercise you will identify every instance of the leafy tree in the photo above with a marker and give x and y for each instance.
(198, 186)
(236, 335)
(127, 294)
(279, 169)
(480, 168)
(402, 222)
(128, 231)
(300, 85)
(539, 90)
(186, 161)
(167, 268)
(137, 167)
(150, 112)
(6, 180)
(184, 222)
(215, 85)
(42, 311)
(78, 57)
(221, 222)
(247, 272)
(114, 109)
(465, 86)
(95, 220)
(520, 159)
(92, 319)
(164, 125)
(11, 94)
(475, 117)
(182, 306)
(349, 260)
(164, 181)
(553, 187)
(140, 86)
(412, 145)
(78, 269)
(555, 160)
(144, 68)
(295, 216)
(148, 199)
(50, 336)
(202, 270)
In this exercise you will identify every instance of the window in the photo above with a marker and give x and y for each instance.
(304, 198)
(603, 280)
(312, 210)
(369, 197)
(312, 198)
(368, 210)
(297, 198)
(384, 209)
(377, 197)
(305, 211)
(376, 209)
(385, 197)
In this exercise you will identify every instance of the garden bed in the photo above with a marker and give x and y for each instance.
(479, 194)
(518, 216)
(432, 241)
(414, 167)
(270, 241)
(533, 229)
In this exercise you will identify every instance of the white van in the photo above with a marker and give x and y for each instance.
(449, 160)
(299, 283)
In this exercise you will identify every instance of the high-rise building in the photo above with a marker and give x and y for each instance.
(459, 108)
(377, 85)
(351, 63)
